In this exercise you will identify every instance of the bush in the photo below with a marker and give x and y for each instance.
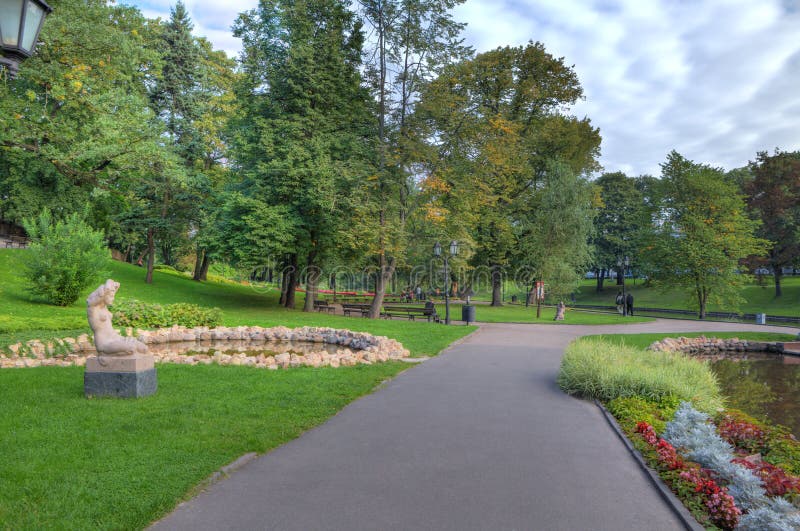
(137, 314)
(593, 368)
(64, 258)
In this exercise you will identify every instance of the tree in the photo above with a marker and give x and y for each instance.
(76, 119)
(619, 223)
(774, 198)
(496, 123)
(554, 236)
(704, 232)
(409, 43)
(301, 134)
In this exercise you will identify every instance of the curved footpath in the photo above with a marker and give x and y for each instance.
(479, 437)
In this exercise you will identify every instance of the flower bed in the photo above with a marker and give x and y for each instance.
(716, 467)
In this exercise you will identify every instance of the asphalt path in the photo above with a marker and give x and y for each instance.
(479, 437)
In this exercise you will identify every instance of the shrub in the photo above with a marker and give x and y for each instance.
(593, 368)
(137, 314)
(64, 258)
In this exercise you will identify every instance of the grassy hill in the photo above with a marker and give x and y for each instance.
(759, 298)
(23, 316)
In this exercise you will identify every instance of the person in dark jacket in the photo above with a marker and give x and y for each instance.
(629, 304)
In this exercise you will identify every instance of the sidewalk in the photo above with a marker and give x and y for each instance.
(478, 438)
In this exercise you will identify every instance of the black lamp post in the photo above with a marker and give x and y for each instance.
(437, 251)
(623, 265)
(20, 22)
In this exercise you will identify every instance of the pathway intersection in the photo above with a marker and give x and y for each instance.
(479, 437)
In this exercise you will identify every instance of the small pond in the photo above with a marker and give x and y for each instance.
(250, 348)
(764, 386)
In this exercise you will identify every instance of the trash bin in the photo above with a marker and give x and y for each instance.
(761, 318)
(468, 313)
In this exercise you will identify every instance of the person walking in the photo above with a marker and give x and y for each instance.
(620, 302)
(629, 304)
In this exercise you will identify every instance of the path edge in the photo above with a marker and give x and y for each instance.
(674, 503)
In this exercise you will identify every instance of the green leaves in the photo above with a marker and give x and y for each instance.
(704, 232)
(65, 257)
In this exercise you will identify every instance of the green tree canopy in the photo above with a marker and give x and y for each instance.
(703, 233)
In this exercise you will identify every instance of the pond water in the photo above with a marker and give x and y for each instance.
(766, 386)
(250, 348)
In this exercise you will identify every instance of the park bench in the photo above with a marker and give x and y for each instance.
(348, 308)
(320, 305)
(411, 312)
(17, 241)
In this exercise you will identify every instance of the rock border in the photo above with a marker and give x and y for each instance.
(705, 346)
(359, 347)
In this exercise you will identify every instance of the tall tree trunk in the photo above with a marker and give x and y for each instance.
(385, 275)
(198, 264)
(601, 277)
(284, 286)
(777, 275)
(292, 282)
(312, 282)
(204, 267)
(497, 286)
(151, 255)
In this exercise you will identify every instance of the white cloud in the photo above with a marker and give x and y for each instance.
(716, 80)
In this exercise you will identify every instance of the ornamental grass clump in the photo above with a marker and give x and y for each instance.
(595, 369)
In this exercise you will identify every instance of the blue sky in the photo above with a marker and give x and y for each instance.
(717, 80)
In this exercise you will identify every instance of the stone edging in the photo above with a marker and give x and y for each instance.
(359, 347)
(669, 497)
(709, 346)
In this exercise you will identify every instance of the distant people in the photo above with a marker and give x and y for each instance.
(419, 293)
(629, 304)
(560, 309)
(620, 302)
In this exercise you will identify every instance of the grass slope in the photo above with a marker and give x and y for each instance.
(22, 316)
(759, 298)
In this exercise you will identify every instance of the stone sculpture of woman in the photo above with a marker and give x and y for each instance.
(107, 340)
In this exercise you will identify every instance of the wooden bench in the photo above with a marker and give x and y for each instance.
(411, 312)
(320, 305)
(348, 308)
(17, 241)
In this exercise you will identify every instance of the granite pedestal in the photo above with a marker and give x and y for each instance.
(120, 376)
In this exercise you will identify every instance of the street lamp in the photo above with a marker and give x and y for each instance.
(20, 22)
(437, 251)
(623, 265)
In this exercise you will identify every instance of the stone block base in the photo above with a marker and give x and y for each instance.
(120, 384)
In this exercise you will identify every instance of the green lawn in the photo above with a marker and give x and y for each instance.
(73, 463)
(645, 340)
(759, 299)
